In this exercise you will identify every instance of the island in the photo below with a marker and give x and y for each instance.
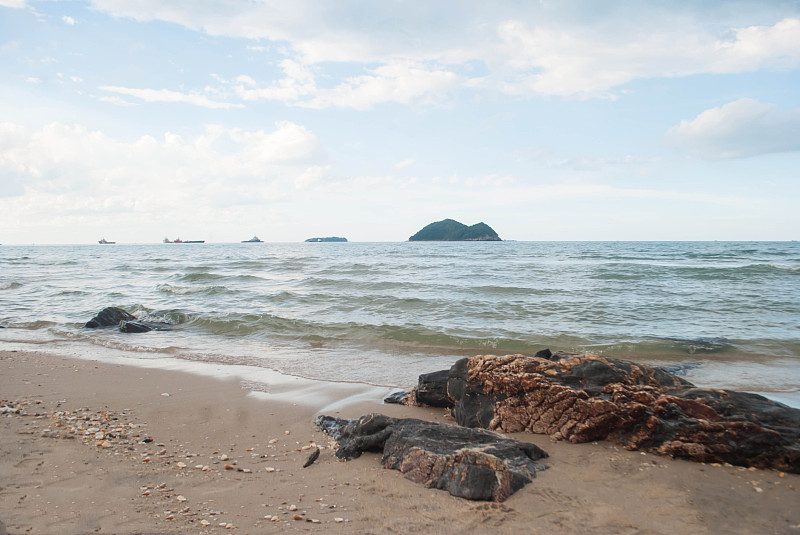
(451, 230)
(328, 239)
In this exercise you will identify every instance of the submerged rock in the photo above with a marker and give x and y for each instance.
(587, 397)
(127, 323)
(137, 326)
(109, 317)
(468, 463)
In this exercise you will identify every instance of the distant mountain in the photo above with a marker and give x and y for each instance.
(331, 238)
(451, 230)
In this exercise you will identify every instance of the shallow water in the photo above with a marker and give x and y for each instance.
(381, 313)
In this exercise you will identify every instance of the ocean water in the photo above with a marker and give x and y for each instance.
(382, 313)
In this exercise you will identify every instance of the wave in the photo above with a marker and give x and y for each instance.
(10, 285)
(169, 289)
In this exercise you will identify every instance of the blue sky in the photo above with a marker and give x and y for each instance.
(573, 120)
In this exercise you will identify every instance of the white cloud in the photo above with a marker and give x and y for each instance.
(400, 82)
(298, 81)
(407, 55)
(166, 95)
(13, 3)
(563, 61)
(68, 20)
(405, 163)
(311, 176)
(741, 128)
(62, 170)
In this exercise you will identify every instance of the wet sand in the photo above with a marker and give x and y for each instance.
(100, 448)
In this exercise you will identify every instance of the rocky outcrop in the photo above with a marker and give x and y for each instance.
(468, 463)
(138, 326)
(587, 397)
(127, 323)
(109, 317)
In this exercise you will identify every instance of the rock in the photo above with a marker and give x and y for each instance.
(468, 463)
(587, 397)
(432, 389)
(137, 326)
(396, 397)
(109, 317)
(311, 458)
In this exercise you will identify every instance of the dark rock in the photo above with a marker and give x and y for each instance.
(311, 458)
(587, 397)
(397, 397)
(109, 317)
(468, 463)
(137, 326)
(431, 390)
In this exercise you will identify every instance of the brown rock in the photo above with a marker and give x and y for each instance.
(588, 397)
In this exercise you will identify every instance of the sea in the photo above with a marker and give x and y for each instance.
(723, 314)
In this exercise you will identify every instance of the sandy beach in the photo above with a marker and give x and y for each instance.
(91, 447)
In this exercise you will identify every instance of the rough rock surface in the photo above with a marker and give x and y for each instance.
(138, 326)
(468, 463)
(587, 397)
(127, 323)
(109, 317)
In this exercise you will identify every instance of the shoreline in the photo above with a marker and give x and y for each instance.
(55, 484)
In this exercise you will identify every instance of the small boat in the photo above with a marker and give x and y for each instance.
(178, 240)
(105, 242)
(254, 239)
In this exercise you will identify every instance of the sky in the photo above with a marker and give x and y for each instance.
(551, 120)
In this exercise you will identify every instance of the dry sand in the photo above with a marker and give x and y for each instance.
(54, 481)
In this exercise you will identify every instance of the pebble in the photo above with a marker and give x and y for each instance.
(273, 441)
(293, 507)
(181, 465)
(223, 457)
(298, 517)
(228, 467)
(205, 522)
(338, 520)
(269, 469)
(180, 498)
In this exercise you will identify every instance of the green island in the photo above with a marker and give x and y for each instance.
(328, 239)
(452, 230)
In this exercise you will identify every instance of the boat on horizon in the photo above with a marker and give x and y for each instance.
(178, 240)
(254, 239)
(106, 242)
